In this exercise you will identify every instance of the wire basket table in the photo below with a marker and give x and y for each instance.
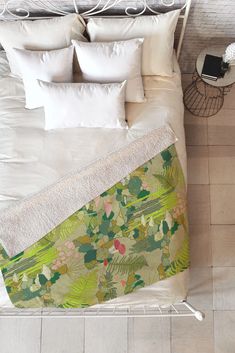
(203, 97)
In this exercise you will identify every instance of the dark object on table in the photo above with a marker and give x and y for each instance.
(224, 68)
(212, 67)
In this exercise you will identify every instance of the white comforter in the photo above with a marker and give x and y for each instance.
(31, 158)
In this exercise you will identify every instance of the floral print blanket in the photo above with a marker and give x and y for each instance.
(131, 236)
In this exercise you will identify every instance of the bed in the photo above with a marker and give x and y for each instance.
(32, 159)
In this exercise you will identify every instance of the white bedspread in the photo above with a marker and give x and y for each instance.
(31, 158)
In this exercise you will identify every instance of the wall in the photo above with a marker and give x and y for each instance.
(210, 22)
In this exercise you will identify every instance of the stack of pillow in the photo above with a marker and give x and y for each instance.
(44, 53)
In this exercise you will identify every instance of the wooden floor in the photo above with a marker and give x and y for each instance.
(211, 175)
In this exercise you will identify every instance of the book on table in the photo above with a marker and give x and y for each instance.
(212, 67)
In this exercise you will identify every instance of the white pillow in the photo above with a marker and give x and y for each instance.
(157, 31)
(113, 62)
(51, 66)
(47, 34)
(69, 105)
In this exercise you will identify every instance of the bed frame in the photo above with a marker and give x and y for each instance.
(37, 9)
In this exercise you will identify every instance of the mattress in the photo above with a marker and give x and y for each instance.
(32, 159)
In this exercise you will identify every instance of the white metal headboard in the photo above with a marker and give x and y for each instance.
(15, 9)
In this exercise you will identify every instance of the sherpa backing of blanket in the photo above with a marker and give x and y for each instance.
(32, 218)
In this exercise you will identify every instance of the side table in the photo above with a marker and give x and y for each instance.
(205, 97)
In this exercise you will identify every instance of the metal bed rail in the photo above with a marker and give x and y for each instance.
(181, 309)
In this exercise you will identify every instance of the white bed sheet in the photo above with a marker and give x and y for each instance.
(31, 158)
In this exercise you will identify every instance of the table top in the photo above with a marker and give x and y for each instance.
(229, 77)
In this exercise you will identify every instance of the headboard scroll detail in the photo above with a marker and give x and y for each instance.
(22, 9)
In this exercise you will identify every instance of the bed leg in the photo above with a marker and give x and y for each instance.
(197, 313)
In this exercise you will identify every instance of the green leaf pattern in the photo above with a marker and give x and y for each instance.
(132, 235)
